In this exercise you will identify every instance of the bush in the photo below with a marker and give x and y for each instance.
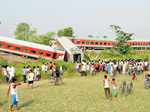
(112, 54)
(3, 62)
(68, 67)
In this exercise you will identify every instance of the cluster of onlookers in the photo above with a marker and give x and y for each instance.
(112, 67)
(32, 74)
(8, 72)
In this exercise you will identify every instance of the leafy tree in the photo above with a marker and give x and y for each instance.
(43, 39)
(122, 38)
(60, 33)
(90, 36)
(68, 32)
(22, 31)
(104, 36)
(51, 35)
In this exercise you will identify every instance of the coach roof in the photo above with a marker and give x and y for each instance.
(29, 44)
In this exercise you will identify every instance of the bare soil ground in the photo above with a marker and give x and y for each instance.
(13, 57)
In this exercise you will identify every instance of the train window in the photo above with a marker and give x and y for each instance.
(25, 50)
(1, 45)
(33, 51)
(9, 46)
(104, 43)
(72, 41)
(78, 42)
(47, 54)
(87, 43)
(92, 43)
(17, 48)
(40, 53)
(108, 43)
(82, 42)
(96, 43)
(101, 43)
(149, 43)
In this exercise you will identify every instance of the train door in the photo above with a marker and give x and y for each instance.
(77, 57)
(65, 56)
(54, 55)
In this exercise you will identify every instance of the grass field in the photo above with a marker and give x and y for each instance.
(78, 94)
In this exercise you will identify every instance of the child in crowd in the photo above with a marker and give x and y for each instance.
(14, 93)
(114, 85)
(30, 79)
(134, 77)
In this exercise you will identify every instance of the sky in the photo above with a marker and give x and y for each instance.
(85, 16)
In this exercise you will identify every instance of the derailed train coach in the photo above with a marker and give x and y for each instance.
(29, 49)
(93, 43)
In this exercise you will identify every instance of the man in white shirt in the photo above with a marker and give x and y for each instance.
(11, 71)
(83, 73)
(43, 67)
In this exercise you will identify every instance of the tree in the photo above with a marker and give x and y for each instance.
(33, 37)
(43, 39)
(68, 32)
(122, 38)
(90, 36)
(22, 31)
(51, 35)
(60, 33)
(104, 36)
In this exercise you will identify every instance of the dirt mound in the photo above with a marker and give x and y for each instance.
(13, 57)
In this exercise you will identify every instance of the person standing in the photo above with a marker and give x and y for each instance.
(12, 72)
(38, 75)
(108, 68)
(43, 67)
(124, 68)
(24, 74)
(111, 70)
(114, 86)
(5, 74)
(77, 66)
(14, 93)
(31, 79)
(83, 72)
(106, 84)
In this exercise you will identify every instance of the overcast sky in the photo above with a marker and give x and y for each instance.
(85, 16)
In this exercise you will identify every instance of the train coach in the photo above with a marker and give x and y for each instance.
(30, 49)
(91, 43)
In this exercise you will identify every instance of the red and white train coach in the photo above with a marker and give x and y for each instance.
(91, 43)
(29, 49)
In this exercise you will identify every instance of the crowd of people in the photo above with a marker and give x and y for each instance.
(111, 68)
(31, 74)
(129, 67)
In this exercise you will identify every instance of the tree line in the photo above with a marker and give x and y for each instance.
(25, 32)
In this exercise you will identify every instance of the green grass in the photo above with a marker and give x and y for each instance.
(78, 94)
